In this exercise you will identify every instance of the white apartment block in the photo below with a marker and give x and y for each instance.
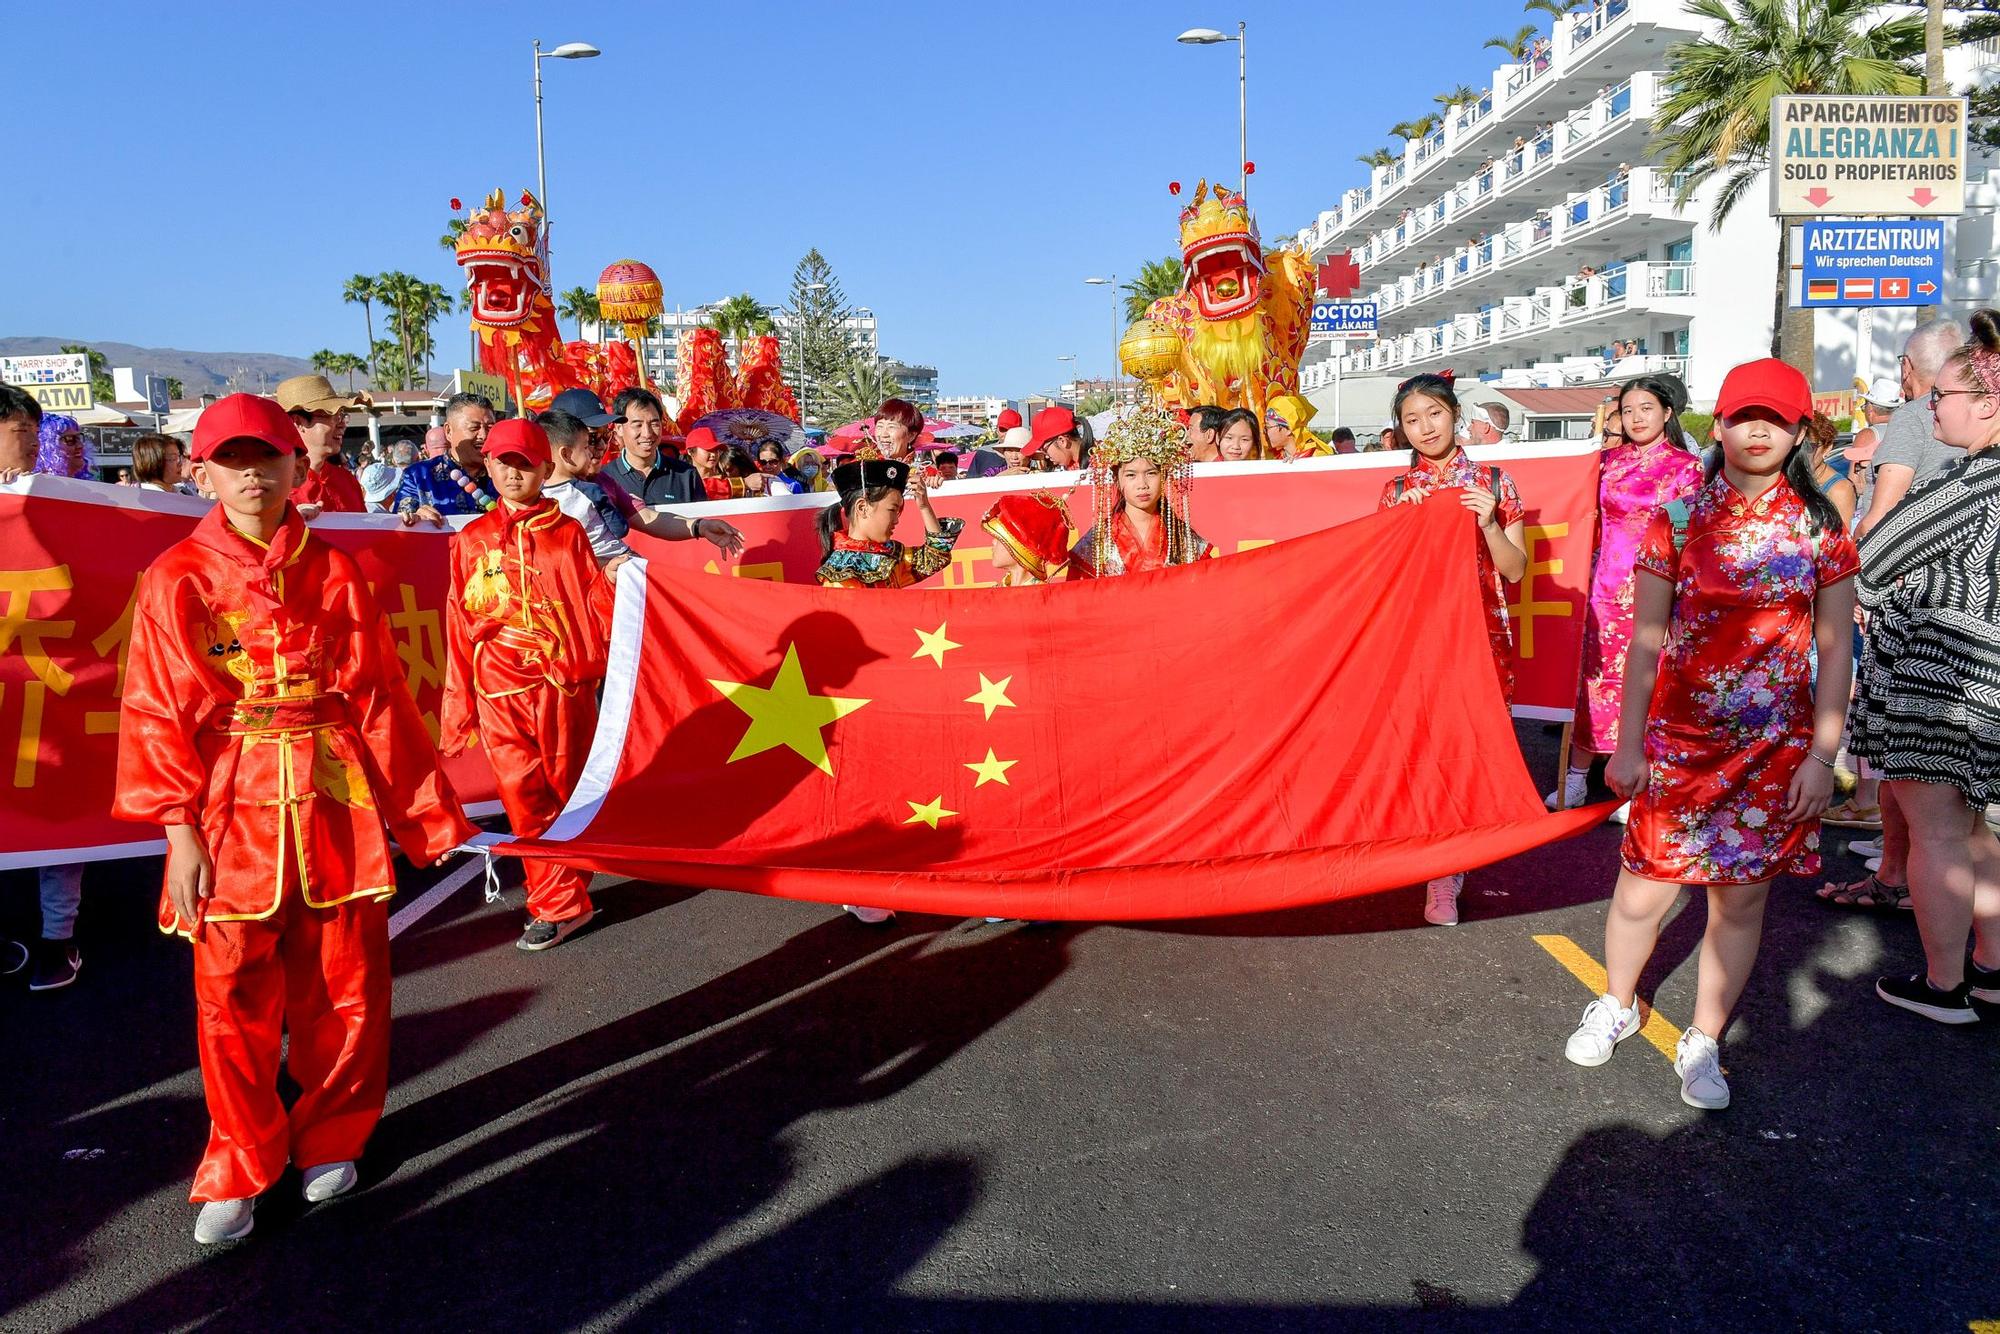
(1532, 243)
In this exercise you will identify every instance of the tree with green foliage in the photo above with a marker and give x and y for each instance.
(175, 389)
(1095, 402)
(1555, 9)
(860, 387)
(819, 339)
(741, 318)
(101, 386)
(579, 304)
(360, 290)
(1715, 118)
(1517, 46)
(1410, 131)
(1381, 157)
(1157, 278)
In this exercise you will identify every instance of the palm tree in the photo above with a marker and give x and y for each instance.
(452, 230)
(859, 389)
(1412, 130)
(1716, 115)
(1157, 278)
(360, 289)
(1517, 46)
(1555, 9)
(402, 292)
(1462, 96)
(175, 389)
(579, 304)
(325, 361)
(101, 383)
(1381, 157)
(344, 363)
(742, 317)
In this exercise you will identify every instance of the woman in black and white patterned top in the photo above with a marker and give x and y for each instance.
(1929, 711)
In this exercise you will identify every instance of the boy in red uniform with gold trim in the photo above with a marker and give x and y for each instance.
(528, 624)
(267, 726)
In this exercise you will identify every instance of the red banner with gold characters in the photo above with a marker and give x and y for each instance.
(71, 554)
(70, 558)
(1237, 736)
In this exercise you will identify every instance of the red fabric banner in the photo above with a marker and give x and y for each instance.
(1241, 506)
(70, 558)
(1299, 723)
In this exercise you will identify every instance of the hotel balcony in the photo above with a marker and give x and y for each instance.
(1617, 45)
(1539, 326)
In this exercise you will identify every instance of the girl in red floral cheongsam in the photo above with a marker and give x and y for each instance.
(1726, 742)
(1427, 415)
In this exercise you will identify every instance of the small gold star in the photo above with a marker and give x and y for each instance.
(929, 813)
(933, 645)
(992, 694)
(992, 770)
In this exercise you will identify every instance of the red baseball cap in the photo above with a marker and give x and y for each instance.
(1050, 423)
(1767, 383)
(703, 437)
(519, 441)
(245, 417)
(1007, 420)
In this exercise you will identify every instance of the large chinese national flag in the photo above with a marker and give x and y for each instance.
(1311, 720)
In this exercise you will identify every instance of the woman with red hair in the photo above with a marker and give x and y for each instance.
(898, 423)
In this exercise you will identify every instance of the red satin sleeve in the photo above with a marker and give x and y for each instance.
(161, 776)
(455, 717)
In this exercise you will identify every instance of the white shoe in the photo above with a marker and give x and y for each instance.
(1605, 1024)
(1575, 788)
(1441, 899)
(872, 916)
(1621, 815)
(224, 1220)
(1872, 864)
(1866, 847)
(327, 1180)
(1698, 1061)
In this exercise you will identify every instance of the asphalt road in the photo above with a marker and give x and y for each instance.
(716, 1111)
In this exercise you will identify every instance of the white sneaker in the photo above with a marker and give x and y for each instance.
(1441, 899)
(1872, 864)
(1621, 815)
(224, 1220)
(1576, 787)
(1605, 1024)
(327, 1180)
(872, 916)
(1866, 847)
(1698, 1061)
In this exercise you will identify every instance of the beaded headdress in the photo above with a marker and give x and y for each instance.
(1153, 434)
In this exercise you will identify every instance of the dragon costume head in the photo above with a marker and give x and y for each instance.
(501, 251)
(1222, 260)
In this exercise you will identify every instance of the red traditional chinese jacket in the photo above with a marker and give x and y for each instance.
(265, 705)
(331, 487)
(528, 607)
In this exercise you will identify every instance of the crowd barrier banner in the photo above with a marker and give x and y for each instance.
(1242, 735)
(70, 558)
(71, 554)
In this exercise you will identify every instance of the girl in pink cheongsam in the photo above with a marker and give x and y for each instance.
(1726, 744)
(1635, 478)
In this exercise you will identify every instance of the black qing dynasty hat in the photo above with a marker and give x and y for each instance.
(849, 479)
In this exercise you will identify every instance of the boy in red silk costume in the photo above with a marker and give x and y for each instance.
(267, 726)
(528, 623)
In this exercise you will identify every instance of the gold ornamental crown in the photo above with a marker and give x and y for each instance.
(1150, 433)
(1221, 215)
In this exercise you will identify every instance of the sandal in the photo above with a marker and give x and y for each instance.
(1851, 815)
(1871, 892)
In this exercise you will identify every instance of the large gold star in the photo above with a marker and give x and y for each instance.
(933, 645)
(992, 694)
(786, 713)
(991, 769)
(928, 813)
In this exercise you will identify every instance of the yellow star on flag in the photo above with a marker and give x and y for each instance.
(786, 713)
(991, 770)
(928, 813)
(992, 694)
(933, 645)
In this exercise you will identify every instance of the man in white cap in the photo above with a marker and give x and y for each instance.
(1878, 404)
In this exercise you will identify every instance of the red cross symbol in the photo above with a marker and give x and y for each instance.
(1338, 276)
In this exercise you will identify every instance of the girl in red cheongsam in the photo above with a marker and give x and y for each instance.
(1726, 743)
(1427, 415)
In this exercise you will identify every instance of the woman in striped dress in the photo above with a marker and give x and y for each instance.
(1929, 714)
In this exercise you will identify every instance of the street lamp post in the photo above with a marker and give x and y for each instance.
(1117, 374)
(567, 51)
(1209, 37)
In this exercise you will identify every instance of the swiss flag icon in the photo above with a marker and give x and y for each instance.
(1895, 289)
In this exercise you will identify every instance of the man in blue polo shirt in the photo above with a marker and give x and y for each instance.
(455, 482)
(642, 468)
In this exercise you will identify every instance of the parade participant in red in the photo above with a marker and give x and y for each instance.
(710, 457)
(1030, 538)
(325, 484)
(859, 551)
(267, 726)
(1726, 746)
(1427, 415)
(1140, 489)
(528, 623)
(1056, 435)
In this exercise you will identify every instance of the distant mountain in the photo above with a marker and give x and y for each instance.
(198, 372)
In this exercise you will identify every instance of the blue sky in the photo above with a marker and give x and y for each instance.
(210, 173)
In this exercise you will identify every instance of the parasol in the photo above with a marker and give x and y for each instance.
(753, 427)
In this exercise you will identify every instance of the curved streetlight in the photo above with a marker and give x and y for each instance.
(1209, 37)
(1071, 359)
(567, 51)
(1117, 372)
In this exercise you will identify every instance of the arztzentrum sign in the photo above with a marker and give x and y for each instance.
(1867, 155)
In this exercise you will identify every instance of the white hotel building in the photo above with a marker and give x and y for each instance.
(1516, 246)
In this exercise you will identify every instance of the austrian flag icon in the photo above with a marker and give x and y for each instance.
(1858, 289)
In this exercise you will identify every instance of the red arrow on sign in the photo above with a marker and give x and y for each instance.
(1922, 196)
(1817, 196)
(1927, 288)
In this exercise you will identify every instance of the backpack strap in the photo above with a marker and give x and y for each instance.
(1677, 514)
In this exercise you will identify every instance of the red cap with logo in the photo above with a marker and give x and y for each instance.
(1050, 423)
(519, 441)
(1007, 420)
(1768, 383)
(244, 417)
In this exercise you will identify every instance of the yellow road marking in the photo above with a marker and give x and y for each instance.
(1983, 1326)
(1664, 1035)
